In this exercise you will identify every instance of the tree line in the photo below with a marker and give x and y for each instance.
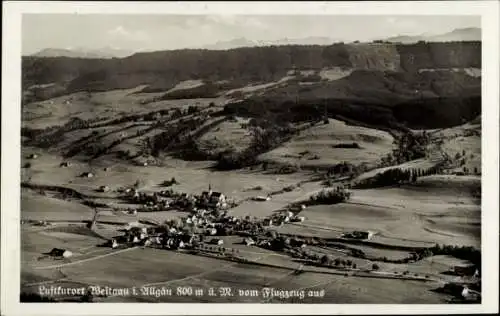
(396, 176)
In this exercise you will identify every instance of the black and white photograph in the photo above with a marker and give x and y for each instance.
(280, 159)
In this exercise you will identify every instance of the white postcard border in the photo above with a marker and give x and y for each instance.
(10, 198)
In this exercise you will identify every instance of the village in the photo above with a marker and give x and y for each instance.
(208, 219)
(202, 225)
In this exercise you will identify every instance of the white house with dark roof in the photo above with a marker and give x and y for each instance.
(217, 199)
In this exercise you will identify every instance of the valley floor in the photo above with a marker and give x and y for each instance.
(419, 215)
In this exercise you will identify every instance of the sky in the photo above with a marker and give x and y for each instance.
(166, 32)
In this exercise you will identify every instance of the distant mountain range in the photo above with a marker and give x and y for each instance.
(243, 42)
(464, 34)
(106, 53)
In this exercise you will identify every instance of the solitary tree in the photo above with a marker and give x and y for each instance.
(324, 260)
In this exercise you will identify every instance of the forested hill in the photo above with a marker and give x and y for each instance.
(162, 70)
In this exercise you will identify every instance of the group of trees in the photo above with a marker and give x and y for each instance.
(396, 176)
(332, 196)
(461, 252)
(341, 169)
(264, 138)
(221, 250)
(323, 259)
(347, 145)
(176, 136)
(409, 146)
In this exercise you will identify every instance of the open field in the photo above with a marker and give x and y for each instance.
(161, 268)
(315, 147)
(104, 105)
(227, 135)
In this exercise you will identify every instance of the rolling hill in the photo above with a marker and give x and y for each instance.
(391, 87)
(162, 70)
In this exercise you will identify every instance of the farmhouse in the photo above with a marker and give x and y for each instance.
(262, 198)
(358, 235)
(249, 241)
(103, 188)
(87, 175)
(460, 291)
(58, 252)
(466, 270)
(217, 199)
(268, 222)
(217, 241)
(295, 219)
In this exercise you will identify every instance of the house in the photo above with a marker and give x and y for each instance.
(146, 242)
(205, 194)
(157, 240)
(297, 219)
(262, 198)
(249, 241)
(33, 156)
(58, 252)
(264, 243)
(103, 188)
(217, 241)
(65, 164)
(212, 231)
(466, 270)
(87, 175)
(461, 291)
(267, 222)
(217, 199)
(367, 235)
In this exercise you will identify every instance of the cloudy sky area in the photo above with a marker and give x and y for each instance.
(164, 32)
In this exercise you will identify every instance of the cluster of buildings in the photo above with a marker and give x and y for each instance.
(161, 236)
(282, 218)
(208, 219)
(276, 243)
(167, 199)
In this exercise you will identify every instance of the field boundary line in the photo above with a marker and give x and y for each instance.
(45, 282)
(83, 260)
